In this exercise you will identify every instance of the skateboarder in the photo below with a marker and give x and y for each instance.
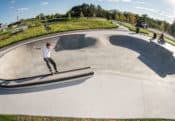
(161, 39)
(137, 27)
(47, 57)
(137, 30)
(154, 36)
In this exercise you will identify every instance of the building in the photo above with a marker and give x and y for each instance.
(142, 24)
(3, 27)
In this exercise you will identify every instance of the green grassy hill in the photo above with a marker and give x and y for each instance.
(7, 38)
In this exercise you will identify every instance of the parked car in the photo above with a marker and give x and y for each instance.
(142, 25)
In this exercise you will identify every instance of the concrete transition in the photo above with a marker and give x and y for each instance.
(158, 58)
(134, 77)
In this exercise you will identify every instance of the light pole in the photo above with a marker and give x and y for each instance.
(18, 12)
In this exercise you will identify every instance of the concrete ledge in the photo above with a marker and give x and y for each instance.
(39, 76)
(45, 79)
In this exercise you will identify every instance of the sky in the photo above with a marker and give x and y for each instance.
(158, 9)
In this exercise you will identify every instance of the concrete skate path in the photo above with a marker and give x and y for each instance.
(132, 79)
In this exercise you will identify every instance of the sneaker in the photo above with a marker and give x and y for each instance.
(56, 72)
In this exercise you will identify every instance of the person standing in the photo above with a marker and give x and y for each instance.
(154, 35)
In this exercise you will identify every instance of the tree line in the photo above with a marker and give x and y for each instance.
(90, 10)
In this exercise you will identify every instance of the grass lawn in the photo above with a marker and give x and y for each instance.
(81, 24)
(133, 28)
(74, 24)
(147, 32)
(32, 118)
(32, 32)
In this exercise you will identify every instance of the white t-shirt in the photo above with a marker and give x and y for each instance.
(46, 52)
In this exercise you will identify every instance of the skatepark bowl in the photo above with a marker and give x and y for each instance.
(81, 50)
(153, 55)
(126, 76)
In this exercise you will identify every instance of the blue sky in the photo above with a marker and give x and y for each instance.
(10, 9)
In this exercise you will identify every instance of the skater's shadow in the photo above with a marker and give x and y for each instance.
(153, 55)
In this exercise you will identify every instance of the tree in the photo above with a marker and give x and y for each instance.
(99, 11)
(144, 18)
(92, 10)
(94, 14)
(122, 17)
(41, 16)
(113, 13)
(117, 17)
(162, 26)
(69, 17)
(81, 14)
(109, 16)
(132, 19)
(57, 15)
(172, 29)
(89, 11)
(167, 26)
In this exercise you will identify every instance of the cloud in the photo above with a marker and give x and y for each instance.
(171, 2)
(13, 1)
(126, 0)
(44, 3)
(21, 10)
(167, 15)
(117, 0)
(147, 9)
(12, 7)
(159, 14)
(140, 2)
